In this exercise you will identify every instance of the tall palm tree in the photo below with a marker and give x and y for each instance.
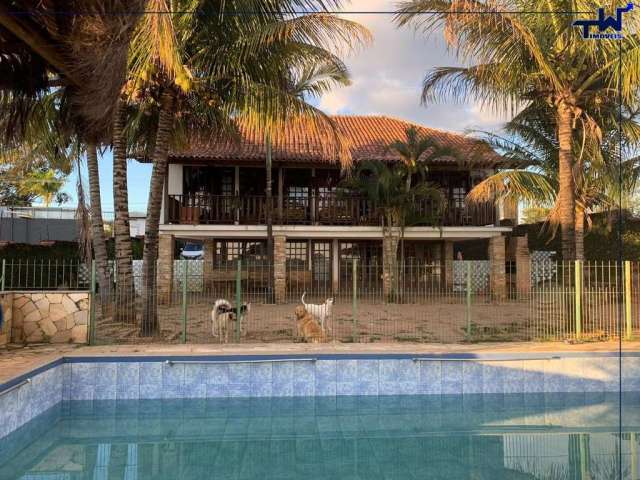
(99, 241)
(219, 66)
(384, 185)
(517, 57)
(529, 142)
(311, 81)
(82, 58)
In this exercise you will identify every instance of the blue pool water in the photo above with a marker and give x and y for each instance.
(479, 437)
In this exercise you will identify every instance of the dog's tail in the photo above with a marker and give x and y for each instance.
(302, 299)
(214, 314)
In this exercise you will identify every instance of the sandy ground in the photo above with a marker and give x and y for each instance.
(369, 322)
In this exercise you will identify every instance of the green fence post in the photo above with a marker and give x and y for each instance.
(578, 292)
(354, 304)
(468, 300)
(185, 271)
(627, 300)
(238, 298)
(92, 305)
(3, 271)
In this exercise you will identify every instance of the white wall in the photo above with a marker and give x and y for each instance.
(175, 179)
(174, 184)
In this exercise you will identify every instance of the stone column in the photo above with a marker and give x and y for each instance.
(6, 299)
(389, 265)
(497, 275)
(523, 265)
(447, 264)
(335, 266)
(166, 247)
(209, 250)
(280, 267)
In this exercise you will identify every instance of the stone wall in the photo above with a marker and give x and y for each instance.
(6, 299)
(50, 317)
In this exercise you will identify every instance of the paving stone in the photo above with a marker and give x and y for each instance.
(69, 305)
(54, 297)
(79, 334)
(34, 316)
(48, 327)
(57, 312)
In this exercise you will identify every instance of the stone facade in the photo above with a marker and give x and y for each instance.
(280, 267)
(6, 300)
(209, 250)
(166, 250)
(498, 274)
(447, 263)
(50, 317)
(523, 264)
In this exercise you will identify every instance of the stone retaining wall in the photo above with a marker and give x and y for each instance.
(50, 317)
(6, 300)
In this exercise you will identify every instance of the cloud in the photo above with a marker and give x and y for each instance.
(387, 76)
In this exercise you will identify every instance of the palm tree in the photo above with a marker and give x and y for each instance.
(518, 57)
(417, 150)
(80, 58)
(311, 81)
(99, 242)
(210, 65)
(384, 185)
(529, 142)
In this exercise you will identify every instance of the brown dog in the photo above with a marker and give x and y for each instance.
(308, 328)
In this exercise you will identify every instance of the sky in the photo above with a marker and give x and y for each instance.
(386, 80)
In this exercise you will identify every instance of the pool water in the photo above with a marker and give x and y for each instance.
(492, 437)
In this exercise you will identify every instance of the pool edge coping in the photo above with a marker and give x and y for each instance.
(510, 356)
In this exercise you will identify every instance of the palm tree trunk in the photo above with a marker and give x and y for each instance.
(150, 324)
(269, 212)
(97, 225)
(566, 189)
(579, 232)
(125, 290)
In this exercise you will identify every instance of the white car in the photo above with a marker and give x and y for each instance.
(192, 251)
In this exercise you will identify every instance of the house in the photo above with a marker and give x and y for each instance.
(215, 193)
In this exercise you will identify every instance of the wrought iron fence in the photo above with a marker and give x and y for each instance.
(44, 274)
(422, 303)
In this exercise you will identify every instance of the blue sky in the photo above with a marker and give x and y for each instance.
(138, 175)
(386, 80)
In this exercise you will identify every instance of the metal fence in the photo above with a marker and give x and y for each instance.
(44, 274)
(586, 301)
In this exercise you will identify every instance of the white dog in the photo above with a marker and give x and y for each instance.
(321, 311)
(224, 316)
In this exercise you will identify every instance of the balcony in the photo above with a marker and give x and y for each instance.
(328, 209)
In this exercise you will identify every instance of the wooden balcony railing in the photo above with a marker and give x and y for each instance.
(329, 209)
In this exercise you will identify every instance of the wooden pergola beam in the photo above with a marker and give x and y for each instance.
(36, 42)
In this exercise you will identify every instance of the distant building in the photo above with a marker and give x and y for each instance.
(42, 225)
(37, 225)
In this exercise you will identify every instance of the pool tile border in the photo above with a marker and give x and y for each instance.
(167, 377)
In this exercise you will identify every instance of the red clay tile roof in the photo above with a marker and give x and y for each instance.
(368, 137)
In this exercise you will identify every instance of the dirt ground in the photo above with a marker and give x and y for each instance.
(369, 322)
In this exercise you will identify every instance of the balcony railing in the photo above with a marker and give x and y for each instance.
(329, 209)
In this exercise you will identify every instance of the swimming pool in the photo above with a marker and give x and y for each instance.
(479, 436)
(327, 416)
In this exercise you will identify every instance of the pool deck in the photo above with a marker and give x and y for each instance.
(17, 361)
